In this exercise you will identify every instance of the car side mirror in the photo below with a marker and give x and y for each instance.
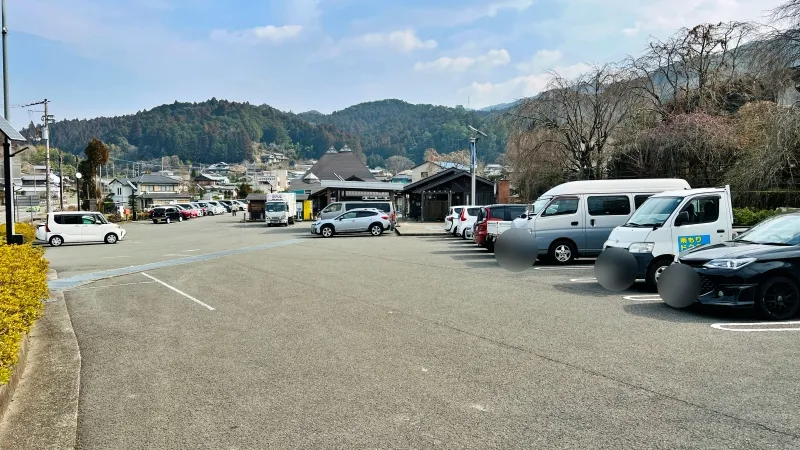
(683, 219)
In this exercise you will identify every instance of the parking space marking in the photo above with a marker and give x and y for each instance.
(112, 285)
(61, 284)
(643, 298)
(583, 280)
(764, 326)
(193, 250)
(565, 268)
(179, 291)
(175, 254)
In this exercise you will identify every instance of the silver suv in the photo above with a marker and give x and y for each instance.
(359, 220)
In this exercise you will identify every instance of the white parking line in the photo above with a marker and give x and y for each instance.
(112, 285)
(179, 292)
(746, 327)
(643, 298)
(175, 254)
(583, 280)
(194, 250)
(565, 268)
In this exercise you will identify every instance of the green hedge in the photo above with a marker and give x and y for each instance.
(746, 217)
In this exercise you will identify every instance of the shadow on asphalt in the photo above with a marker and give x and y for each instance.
(692, 314)
(482, 264)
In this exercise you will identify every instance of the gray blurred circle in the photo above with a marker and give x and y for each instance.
(515, 250)
(615, 269)
(679, 285)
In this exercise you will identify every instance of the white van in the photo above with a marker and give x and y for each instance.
(576, 218)
(670, 223)
(78, 227)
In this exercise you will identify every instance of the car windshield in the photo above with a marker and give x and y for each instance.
(276, 207)
(781, 230)
(654, 212)
(537, 206)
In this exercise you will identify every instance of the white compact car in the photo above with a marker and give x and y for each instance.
(451, 218)
(78, 227)
(466, 220)
(360, 220)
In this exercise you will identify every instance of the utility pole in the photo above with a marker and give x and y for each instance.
(47, 119)
(61, 181)
(473, 144)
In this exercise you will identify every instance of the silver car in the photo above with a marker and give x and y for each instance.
(360, 220)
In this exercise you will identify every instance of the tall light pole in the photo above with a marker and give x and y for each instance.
(78, 176)
(473, 144)
(9, 188)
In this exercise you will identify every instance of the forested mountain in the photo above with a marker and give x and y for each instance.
(219, 130)
(207, 132)
(394, 127)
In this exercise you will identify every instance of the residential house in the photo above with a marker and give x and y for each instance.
(37, 184)
(220, 167)
(402, 177)
(429, 168)
(208, 179)
(149, 190)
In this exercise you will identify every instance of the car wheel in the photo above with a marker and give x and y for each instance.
(562, 252)
(778, 298)
(326, 231)
(490, 246)
(464, 234)
(155, 221)
(167, 220)
(655, 270)
(111, 238)
(56, 241)
(376, 229)
(180, 218)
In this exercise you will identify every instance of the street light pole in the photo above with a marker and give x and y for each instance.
(473, 143)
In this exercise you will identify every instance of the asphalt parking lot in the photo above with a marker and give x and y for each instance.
(294, 341)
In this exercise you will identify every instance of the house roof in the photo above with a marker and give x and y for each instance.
(357, 186)
(209, 176)
(340, 166)
(147, 178)
(441, 178)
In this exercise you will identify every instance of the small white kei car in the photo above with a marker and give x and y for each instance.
(75, 227)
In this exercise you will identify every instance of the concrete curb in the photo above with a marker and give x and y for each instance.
(44, 410)
(7, 390)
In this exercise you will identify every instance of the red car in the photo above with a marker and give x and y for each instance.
(493, 213)
(186, 213)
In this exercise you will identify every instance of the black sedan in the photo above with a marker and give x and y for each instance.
(759, 269)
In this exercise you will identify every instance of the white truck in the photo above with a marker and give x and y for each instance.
(672, 222)
(280, 209)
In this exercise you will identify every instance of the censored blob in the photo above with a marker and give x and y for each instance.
(516, 250)
(679, 285)
(615, 269)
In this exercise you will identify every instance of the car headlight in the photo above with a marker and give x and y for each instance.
(728, 263)
(641, 247)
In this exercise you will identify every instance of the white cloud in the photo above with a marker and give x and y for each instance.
(542, 60)
(257, 35)
(633, 31)
(443, 17)
(459, 64)
(404, 41)
(487, 94)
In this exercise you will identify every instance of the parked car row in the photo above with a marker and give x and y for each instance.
(660, 222)
(178, 212)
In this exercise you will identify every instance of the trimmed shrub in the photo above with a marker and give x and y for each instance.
(115, 218)
(746, 217)
(27, 231)
(23, 287)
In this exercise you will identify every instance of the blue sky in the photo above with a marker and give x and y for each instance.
(108, 57)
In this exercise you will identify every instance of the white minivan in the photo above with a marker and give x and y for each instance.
(670, 223)
(575, 219)
(78, 227)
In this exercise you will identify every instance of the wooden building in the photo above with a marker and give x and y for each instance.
(429, 198)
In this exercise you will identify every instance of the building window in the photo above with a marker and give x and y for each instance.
(119, 191)
(424, 174)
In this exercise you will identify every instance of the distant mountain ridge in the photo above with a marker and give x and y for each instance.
(220, 130)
